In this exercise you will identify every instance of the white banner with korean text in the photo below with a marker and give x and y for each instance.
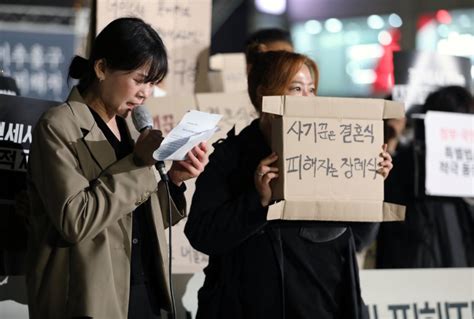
(419, 293)
(449, 154)
(443, 293)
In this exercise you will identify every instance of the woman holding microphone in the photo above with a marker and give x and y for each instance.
(97, 246)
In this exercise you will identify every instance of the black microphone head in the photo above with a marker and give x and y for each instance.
(141, 118)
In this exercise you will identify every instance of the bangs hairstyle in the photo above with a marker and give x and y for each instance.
(125, 44)
(273, 71)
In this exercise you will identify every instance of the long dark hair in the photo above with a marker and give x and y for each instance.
(125, 44)
(450, 99)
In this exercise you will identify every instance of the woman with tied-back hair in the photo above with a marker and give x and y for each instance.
(278, 269)
(97, 246)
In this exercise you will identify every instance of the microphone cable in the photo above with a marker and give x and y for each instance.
(165, 179)
(142, 120)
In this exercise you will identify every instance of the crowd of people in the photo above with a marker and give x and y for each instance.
(97, 246)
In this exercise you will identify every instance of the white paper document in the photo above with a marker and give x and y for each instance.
(194, 128)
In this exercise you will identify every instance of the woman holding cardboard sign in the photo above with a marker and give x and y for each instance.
(261, 269)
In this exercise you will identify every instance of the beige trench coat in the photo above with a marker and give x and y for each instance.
(81, 223)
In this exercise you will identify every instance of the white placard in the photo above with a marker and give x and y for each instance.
(419, 293)
(389, 294)
(184, 25)
(449, 154)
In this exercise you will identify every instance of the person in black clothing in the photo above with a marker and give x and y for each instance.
(438, 231)
(278, 269)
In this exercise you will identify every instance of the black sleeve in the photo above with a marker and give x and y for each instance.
(177, 193)
(364, 234)
(222, 216)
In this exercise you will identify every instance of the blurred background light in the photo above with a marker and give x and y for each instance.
(394, 20)
(351, 37)
(364, 51)
(443, 16)
(384, 38)
(313, 26)
(443, 30)
(271, 6)
(364, 76)
(375, 22)
(333, 25)
(464, 21)
(457, 44)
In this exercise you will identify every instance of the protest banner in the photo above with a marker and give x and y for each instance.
(329, 150)
(449, 154)
(18, 116)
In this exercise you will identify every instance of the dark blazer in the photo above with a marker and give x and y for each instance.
(81, 223)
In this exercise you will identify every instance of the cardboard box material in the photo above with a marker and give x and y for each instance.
(328, 156)
(168, 110)
(229, 73)
(235, 107)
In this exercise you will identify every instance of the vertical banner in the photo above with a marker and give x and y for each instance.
(184, 25)
(449, 154)
(417, 74)
(18, 116)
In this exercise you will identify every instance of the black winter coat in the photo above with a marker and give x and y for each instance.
(437, 231)
(261, 269)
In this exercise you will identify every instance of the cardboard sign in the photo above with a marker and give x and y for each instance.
(229, 72)
(236, 108)
(328, 157)
(167, 111)
(186, 260)
(184, 26)
(449, 154)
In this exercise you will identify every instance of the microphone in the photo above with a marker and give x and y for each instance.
(142, 120)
